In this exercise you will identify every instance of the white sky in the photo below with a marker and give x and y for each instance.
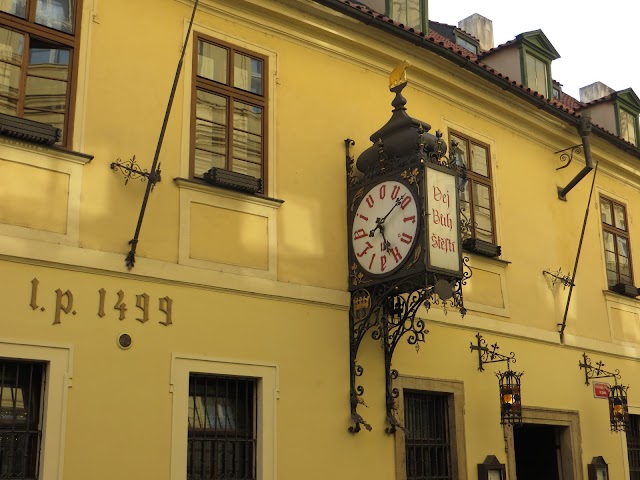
(596, 40)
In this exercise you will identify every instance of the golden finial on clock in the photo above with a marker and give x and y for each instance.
(398, 75)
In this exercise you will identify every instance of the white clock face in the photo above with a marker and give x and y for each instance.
(385, 227)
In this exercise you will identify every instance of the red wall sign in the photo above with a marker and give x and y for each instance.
(601, 390)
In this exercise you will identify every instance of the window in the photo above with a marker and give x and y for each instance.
(537, 76)
(467, 44)
(476, 201)
(221, 436)
(617, 250)
(411, 13)
(427, 443)
(21, 385)
(432, 444)
(633, 447)
(38, 42)
(628, 126)
(229, 110)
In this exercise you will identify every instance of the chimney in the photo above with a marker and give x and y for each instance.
(480, 27)
(594, 92)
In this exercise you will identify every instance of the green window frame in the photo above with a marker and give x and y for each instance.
(627, 125)
(536, 73)
(410, 13)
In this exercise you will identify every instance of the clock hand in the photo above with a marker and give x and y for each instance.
(398, 202)
(387, 244)
(380, 221)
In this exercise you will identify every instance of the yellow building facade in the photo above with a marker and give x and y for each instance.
(225, 350)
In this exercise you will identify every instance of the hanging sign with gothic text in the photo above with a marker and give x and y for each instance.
(443, 222)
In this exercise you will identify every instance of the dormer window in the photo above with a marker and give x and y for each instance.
(537, 74)
(464, 43)
(410, 13)
(628, 126)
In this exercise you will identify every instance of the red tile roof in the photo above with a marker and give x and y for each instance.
(566, 104)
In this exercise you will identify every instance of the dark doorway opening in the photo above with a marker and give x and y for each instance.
(538, 453)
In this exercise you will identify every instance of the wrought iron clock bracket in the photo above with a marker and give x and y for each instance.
(489, 354)
(132, 171)
(398, 318)
(591, 372)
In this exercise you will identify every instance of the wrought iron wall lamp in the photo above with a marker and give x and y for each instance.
(508, 381)
(618, 408)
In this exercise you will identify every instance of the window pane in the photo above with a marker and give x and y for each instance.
(14, 7)
(482, 212)
(479, 160)
(461, 150)
(212, 62)
(605, 211)
(537, 75)
(247, 73)
(211, 107)
(47, 81)
(407, 12)
(247, 133)
(609, 240)
(628, 126)
(11, 49)
(623, 247)
(247, 168)
(57, 14)
(619, 214)
(625, 271)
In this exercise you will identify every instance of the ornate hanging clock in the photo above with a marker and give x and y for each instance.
(404, 237)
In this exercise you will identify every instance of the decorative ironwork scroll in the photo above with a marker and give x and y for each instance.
(131, 170)
(489, 354)
(618, 407)
(508, 381)
(566, 155)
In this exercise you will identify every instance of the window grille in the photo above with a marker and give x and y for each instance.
(427, 443)
(222, 418)
(633, 447)
(21, 385)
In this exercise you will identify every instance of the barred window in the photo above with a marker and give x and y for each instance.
(428, 442)
(21, 384)
(633, 447)
(222, 418)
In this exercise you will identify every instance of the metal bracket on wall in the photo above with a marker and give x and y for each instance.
(557, 276)
(391, 316)
(131, 170)
(566, 155)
